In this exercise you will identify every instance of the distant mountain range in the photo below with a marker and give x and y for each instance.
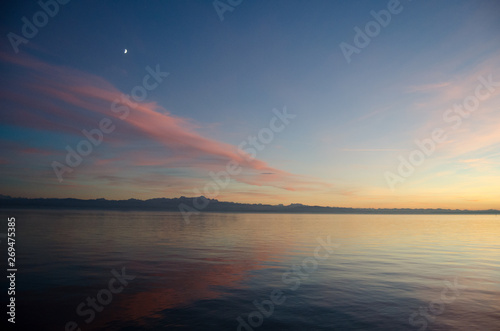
(210, 205)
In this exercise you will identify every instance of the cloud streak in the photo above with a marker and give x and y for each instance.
(65, 100)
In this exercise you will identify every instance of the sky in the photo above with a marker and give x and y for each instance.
(377, 104)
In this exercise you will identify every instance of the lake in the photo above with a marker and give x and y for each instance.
(112, 270)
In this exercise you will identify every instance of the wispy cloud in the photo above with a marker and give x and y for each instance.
(66, 100)
(372, 150)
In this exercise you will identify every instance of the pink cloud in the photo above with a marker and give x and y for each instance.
(61, 99)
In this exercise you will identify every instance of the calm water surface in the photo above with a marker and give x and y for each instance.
(381, 272)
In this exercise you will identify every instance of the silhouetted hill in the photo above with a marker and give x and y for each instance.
(211, 205)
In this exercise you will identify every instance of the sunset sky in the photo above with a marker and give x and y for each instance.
(210, 84)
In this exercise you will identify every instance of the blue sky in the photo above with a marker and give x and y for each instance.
(353, 120)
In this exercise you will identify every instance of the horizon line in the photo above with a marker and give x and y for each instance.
(7, 197)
